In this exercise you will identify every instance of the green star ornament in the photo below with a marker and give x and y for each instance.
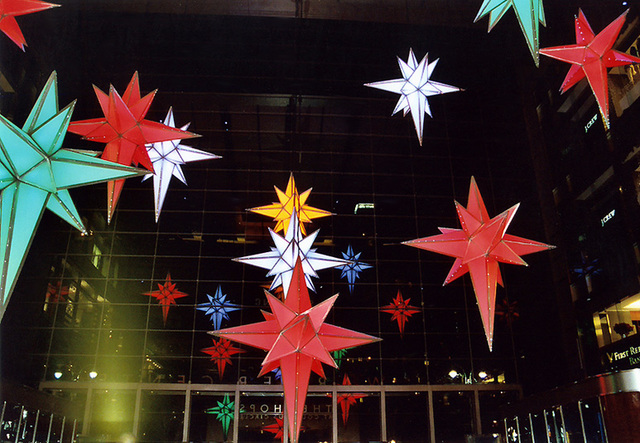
(224, 413)
(530, 13)
(36, 173)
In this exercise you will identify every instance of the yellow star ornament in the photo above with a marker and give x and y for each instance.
(290, 201)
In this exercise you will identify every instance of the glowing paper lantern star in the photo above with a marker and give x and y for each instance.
(221, 352)
(224, 413)
(530, 13)
(290, 201)
(414, 87)
(217, 307)
(281, 260)
(166, 295)
(298, 341)
(36, 173)
(166, 157)
(478, 247)
(9, 9)
(400, 310)
(125, 131)
(590, 57)
(352, 269)
(346, 400)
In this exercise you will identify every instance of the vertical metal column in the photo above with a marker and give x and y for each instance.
(383, 414)
(584, 436)
(432, 420)
(35, 427)
(50, 426)
(476, 410)
(236, 413)
(334, 414)
(4, 406)
(19, 424)
(64, 419)
(187, 414)
(604, 425)
(546, 425)
(136, 413)
(73, 431)
(518, 426)
(533, 436)
(86, 422)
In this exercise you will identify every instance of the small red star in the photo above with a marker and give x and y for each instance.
(478, 247)
(166, 295)
(221, 353)
(591, 56)
(347, 400)
(277, 428)
(298, 341)
(125, 131)
(13, 8)
(401, 310)
(56, 292)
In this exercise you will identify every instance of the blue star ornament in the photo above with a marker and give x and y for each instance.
(530, 13)
(217, 308)
(353, 269)
(36, 173)
(414, 87)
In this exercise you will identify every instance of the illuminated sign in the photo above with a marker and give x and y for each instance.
(363, 206)
(591, 122)
(607, 217)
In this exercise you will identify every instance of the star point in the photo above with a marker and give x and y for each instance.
(414, 88)
(9, 9)
(36, 173)
(478, 248)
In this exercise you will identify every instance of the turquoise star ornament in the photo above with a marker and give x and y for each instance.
(36, 173)
(530, 14)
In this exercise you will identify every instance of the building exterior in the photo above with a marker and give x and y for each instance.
(279, 97)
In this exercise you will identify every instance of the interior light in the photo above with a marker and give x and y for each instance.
(482, 375)
(453, 373)
(93, 374)
(57, 375)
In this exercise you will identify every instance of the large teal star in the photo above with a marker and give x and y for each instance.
(530, 13)
(35, 173)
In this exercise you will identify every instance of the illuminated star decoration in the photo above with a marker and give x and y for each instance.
(400, 311)
(352, 269)
(282, 258)
(590, 57)
(125, 132)
(36, 173)
(217, 308)
(13, 8)
(224, 413)
(414, 87)
(530, 13)
(290, 201)
(348, 399)
(277, 428)
(221, 352)
(56, 292)
(478, 247)
(507, 311)
(166, 157)
(297, 340)
(339, 355)
(166, 295)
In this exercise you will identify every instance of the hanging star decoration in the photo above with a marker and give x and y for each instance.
(530, 14)
(56, 292)
(478, 248)
(224, 413)
(167, 157)
(217, 308)
(414, 87)
(125, 132)
(281, 260)
(166, 295)
(400, 311)
(590, 57)
(290, 201)
(352, 269)
(9, 9)
(347, 400)
(277, 428)
(339, 355)
(588, 267)
(298, 341)
(36, 173)
(507, 311)
(221, 352)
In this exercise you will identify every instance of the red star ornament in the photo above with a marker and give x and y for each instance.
(478, 247)
(345, 401)
(9, 9)
(166, 295)
(400, 310)
(590, 57)
(297, 340)
(125, 132)
(221, 353)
